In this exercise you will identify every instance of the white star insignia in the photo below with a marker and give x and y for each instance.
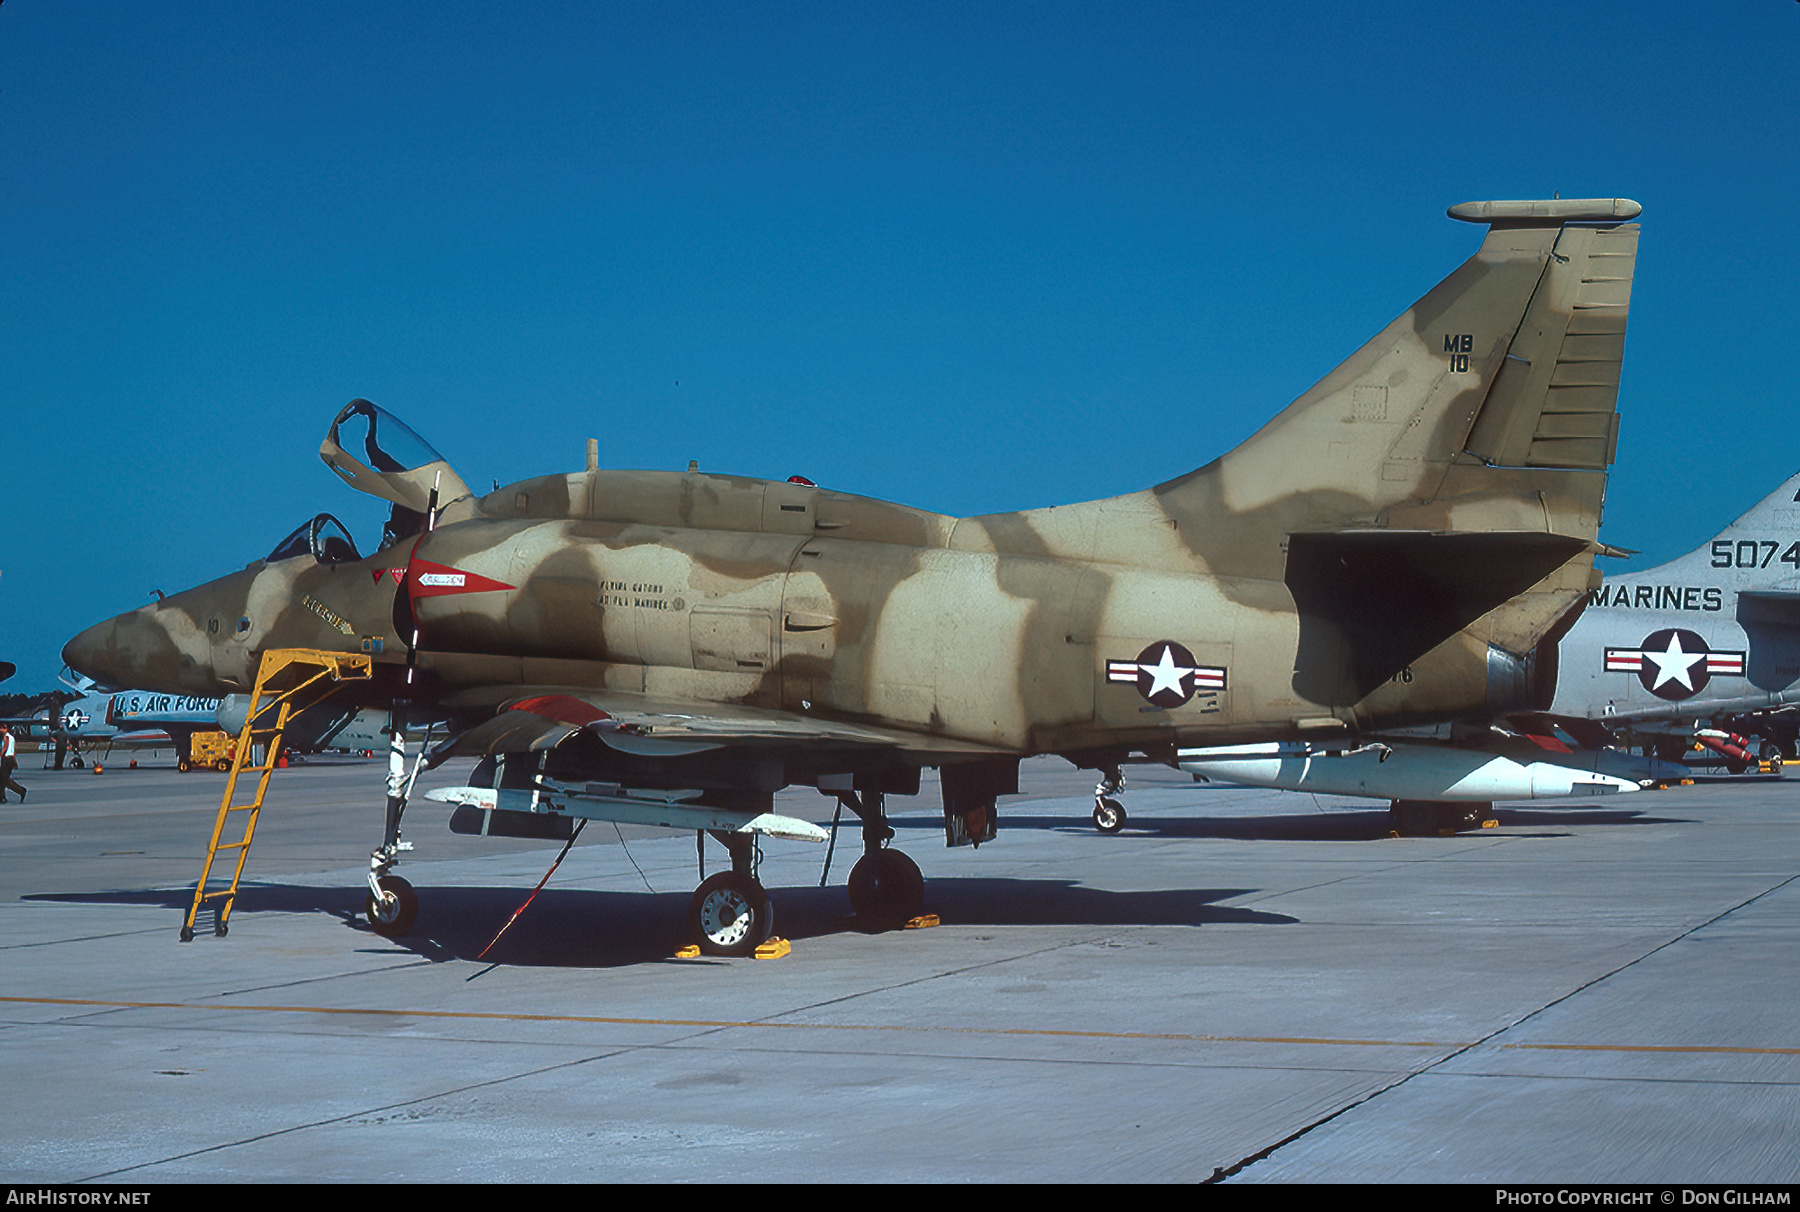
(1674, 665)
(1165, 674)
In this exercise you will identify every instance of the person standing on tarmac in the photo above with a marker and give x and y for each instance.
(9, 762)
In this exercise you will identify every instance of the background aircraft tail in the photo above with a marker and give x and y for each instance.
(1758, 552)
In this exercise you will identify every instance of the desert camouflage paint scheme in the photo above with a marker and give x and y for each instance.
(1391, 548)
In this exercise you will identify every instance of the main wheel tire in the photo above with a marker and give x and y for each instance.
(393, 915)
(730, 914)
(1109, 815)
(886, 890)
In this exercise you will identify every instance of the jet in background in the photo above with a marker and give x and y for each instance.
(1701, 648)
(1392, 549)
(90, 722)
(329, 726)
(96, 721)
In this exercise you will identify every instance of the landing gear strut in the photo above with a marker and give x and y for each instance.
(392, 904)
(886, 887)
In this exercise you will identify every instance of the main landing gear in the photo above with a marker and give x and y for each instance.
(1109, 814)
(730, 913)
(886, 887)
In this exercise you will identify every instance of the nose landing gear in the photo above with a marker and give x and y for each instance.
(391, 912)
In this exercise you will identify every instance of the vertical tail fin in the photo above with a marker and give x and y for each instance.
(1488, 405)
(1448, 477)
(1760, 551)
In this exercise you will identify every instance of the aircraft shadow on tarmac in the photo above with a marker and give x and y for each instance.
(575, 928)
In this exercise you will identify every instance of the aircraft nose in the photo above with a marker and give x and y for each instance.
(139, 650)
(92, 653)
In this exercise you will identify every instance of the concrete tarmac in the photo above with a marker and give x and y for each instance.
(1260, 986)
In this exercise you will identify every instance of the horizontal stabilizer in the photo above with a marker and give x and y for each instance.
(1373, 601)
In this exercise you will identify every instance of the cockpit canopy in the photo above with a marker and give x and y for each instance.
(392, 462)
(323, 537)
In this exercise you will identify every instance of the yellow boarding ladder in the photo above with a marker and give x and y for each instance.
(289, 680)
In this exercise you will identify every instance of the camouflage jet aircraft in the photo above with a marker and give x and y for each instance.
(673, 648)
(1708, 641)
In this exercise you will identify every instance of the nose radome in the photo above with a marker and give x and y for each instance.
(142, 650)
(91, 652)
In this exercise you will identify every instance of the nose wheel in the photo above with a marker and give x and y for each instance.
(391, 912)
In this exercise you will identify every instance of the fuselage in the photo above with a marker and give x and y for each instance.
(1389, 548)
(1088, 626)
(1698, 636)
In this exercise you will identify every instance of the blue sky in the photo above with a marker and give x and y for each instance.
(967, 256)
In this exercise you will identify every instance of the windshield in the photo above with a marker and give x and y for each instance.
(323, 537)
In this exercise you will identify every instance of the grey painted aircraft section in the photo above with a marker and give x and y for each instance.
(1714, 631)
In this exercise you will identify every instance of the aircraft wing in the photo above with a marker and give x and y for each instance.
(533, 718)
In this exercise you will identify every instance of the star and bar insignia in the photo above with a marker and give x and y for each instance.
(1166, 675)
(1674, 663)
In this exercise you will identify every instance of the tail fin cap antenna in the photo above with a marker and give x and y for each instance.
(1548, 211)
